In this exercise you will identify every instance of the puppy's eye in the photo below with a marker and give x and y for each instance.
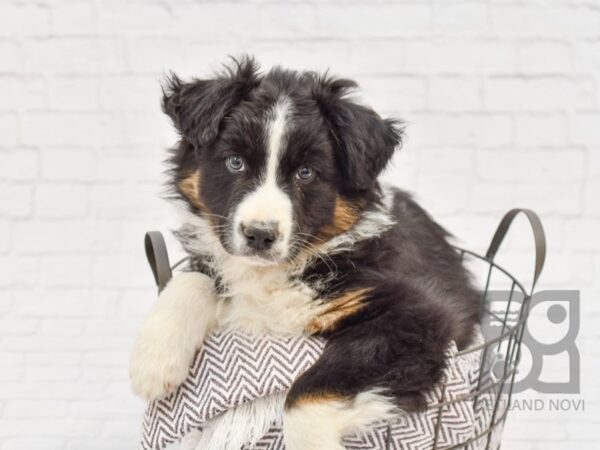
(235, 163)
(305, 174)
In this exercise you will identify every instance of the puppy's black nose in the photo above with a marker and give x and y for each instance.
(260, 236)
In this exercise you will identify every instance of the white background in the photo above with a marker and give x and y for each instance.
(502, 101)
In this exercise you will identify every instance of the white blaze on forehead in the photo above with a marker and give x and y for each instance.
(268, 202)
(276, 128)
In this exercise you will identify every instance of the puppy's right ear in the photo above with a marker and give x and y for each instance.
(198, 107)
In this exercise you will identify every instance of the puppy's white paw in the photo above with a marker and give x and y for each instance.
(171, 335)
(156, 369)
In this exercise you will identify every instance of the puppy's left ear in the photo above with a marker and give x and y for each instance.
(365, 141)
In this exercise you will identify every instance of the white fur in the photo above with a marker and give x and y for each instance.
(277, 127)
(262, 298)
(245, 424)
(321, 424)
(171, 334)
(269, 203)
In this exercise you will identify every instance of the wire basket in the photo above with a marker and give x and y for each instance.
(505, 309)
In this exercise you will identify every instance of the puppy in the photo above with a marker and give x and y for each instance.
(289, 231)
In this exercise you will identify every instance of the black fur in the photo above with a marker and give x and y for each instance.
(197, 108)
(421, 301)
(366, 142)
(419, 297)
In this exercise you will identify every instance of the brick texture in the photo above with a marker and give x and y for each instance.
(502, 104)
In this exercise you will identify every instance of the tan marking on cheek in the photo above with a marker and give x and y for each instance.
(337, 309)
(190, 188)
(345, 214)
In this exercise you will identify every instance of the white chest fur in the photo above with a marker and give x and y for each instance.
(258, 298)
(261, 299)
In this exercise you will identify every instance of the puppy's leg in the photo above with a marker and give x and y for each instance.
(171, 334)
(334, 397)
(318, 422)
(373, 367)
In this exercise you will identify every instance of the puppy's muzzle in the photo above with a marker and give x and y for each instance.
(260, 236)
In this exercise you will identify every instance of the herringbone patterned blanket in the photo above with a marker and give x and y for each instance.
(234, 368)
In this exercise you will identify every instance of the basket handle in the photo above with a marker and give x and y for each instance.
(158, 258)
(538, 235)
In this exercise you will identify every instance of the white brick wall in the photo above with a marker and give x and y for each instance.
(502, 99)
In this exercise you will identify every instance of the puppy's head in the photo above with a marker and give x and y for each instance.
(276, 162)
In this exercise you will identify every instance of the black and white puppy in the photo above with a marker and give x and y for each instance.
(289, 231)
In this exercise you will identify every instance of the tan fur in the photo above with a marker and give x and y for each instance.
(345, 214)
(190, 187)
(337, 309)
(317, 397)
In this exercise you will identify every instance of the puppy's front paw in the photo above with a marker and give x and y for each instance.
(171, 335)
(156, 369)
